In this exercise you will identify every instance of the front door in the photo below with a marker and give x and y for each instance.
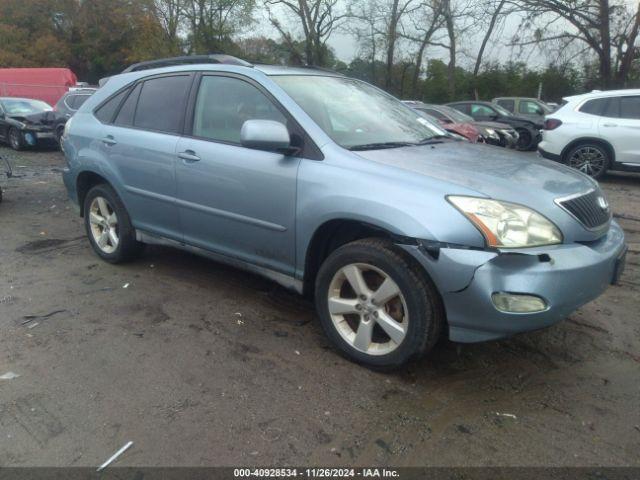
(233, 200)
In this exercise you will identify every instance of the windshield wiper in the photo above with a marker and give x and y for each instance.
(380, 145)
(433, 140)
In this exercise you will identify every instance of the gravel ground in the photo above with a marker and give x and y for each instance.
(201, 364)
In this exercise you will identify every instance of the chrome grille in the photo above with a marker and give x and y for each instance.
(591, 209)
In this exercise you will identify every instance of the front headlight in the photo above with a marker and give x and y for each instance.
(507, 225)
(492, 133)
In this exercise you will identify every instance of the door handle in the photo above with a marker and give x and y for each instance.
(189, 156)
(109, 140)
(609, 124)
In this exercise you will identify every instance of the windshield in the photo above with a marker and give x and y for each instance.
(21, 106)
(456, 115)
(356, 114)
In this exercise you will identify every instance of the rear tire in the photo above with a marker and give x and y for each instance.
(108, 226)
(592, 159)
(394, 313)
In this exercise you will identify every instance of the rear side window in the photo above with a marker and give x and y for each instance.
(128, 109)
(630, 107)
(508, 104)
(224, 104)
(529, 107)
(79, 101)
(595, 106)
(108, 109)
(161, 103)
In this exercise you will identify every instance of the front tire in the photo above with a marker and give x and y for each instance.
(15, 139)
(376, 305)
(590, 158)
(524, 140)
(108, 225)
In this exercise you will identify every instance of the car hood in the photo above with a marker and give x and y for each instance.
(491, 172)
(43, 118)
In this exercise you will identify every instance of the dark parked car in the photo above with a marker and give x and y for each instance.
(464, 128)
(528, 130)
(26, 123)
(493, 133)
(68, 105)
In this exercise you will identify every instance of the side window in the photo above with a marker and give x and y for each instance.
(71, 102)
(161, 103)
(80, 99)
(630, 107)
(128, 109)
(529, 107)
(509, 105)
(594, 107)
(107, 110)
(224, 104)
(482, 111)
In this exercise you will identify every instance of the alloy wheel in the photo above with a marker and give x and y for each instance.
(368, 309)
(104, 225)
(589, 160)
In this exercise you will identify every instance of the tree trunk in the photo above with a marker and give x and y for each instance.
(391, 42)
(483, 45)
(451, 70)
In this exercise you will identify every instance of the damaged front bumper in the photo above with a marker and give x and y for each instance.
(565, 276)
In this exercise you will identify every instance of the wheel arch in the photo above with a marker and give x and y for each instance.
(585, 140)
(85, 181)
(335, 233)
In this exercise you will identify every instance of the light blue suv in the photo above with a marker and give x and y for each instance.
(335, 189)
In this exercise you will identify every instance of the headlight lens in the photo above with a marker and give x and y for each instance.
(507, 225)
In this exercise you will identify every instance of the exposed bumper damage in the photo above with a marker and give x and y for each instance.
(566, 276)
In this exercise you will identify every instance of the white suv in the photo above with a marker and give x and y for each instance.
(595, 132)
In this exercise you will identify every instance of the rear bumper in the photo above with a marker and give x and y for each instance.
(565, 276)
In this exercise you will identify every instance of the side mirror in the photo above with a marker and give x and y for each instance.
(265, 135)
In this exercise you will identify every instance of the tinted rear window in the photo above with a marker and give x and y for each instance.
(128, 109)
(106, 112)
(594, 107)
(161, 103)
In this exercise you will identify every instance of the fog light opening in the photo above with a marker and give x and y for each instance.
(30, 139)
(518, 302)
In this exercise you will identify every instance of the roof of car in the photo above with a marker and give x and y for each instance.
(604, 93)
(478, 102)
(22, 99)
(517, 98)
(304, 70)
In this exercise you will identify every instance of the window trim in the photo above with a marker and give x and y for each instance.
(131, 87)
(108, 99)
(309, 151)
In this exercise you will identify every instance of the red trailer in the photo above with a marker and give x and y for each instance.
(47, 84)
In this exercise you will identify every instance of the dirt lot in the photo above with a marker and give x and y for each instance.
(201, 364)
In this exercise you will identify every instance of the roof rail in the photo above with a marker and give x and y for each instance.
(187, 60)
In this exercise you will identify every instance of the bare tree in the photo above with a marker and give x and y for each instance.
(496, 12)
(212, 23)
(318, 20)
(608, 28)
(170, 13)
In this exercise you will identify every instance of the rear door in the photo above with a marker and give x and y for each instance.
(236, 201)
(621, 127)
(141, 142)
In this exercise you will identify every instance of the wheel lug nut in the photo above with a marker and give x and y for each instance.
(363, 297)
